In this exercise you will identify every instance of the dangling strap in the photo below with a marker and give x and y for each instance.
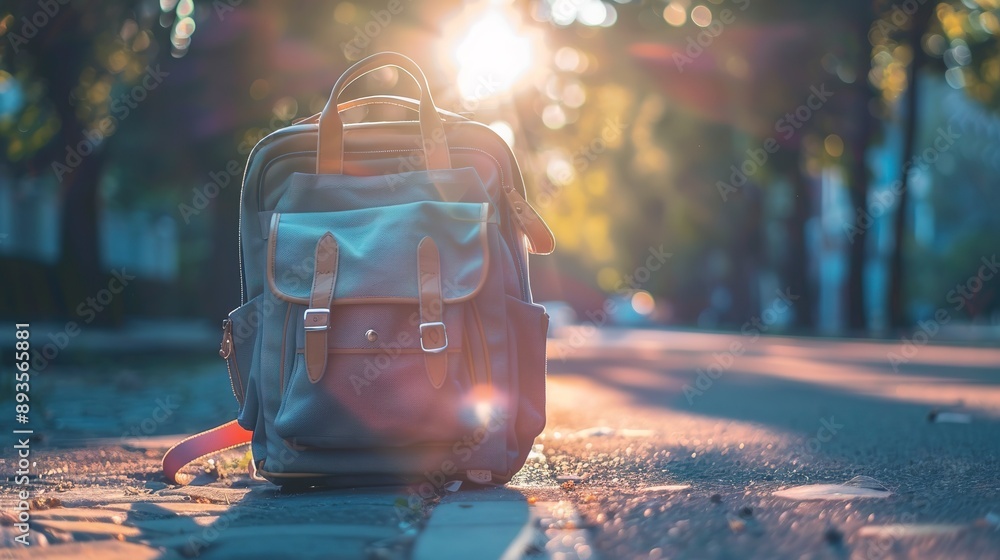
(222, 437)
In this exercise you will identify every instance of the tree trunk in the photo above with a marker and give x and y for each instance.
(858, 174)
(897, 312)
(61, 55)
(798, 263)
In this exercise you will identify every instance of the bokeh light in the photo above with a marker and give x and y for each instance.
(701, 16)
(675, 13)
(833, 145)
(643, 303)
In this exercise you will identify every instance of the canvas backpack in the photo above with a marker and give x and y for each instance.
(387, 331)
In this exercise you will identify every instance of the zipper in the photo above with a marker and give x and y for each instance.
(467, 353)
(226, 352)
(483, 343)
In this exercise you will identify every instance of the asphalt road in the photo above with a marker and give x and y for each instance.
(738, 418)
(659, 445)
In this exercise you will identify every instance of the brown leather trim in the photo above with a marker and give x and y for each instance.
(432, 311)
(271, 283)
(486, 347)
(330, 142)
(321, 300)
(284, 340)
(539, 236)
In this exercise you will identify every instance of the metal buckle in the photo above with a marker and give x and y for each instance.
(316, 319)
(443, 330)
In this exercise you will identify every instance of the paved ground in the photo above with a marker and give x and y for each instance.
(643, 457)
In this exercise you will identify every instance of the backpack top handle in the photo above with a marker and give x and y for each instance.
(330, 149)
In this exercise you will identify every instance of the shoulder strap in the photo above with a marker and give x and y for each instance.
(222, 437)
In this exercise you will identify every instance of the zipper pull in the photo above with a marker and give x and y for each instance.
(226, 348)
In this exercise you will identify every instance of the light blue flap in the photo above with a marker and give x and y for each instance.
(377, 260)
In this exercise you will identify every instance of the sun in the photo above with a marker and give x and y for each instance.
(491, 55)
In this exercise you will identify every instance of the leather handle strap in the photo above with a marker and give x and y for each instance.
(316, 319)
(394, 100)
(222, 437)
(433, 334)
(540, 239)
(330, 149)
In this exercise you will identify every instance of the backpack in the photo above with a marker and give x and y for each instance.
(387, 332)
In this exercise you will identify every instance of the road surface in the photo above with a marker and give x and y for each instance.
(659, 445)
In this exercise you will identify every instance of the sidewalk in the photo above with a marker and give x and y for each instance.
(105, 500)
(658, 445)
(74, 340)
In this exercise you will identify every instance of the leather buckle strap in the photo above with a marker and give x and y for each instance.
(433, 335)
(316, 319)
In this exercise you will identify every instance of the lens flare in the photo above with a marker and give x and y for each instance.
(492, 57)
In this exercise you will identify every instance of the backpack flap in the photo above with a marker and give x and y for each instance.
(378, 251)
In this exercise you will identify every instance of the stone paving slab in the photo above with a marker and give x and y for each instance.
(104, 550)
(480, 524)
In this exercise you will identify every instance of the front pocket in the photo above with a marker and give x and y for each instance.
(527, 325)
(377, 393)
(241, 348)
(239, 342)
(380, 387)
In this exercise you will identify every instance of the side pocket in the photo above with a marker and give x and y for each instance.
(239, 349)
(527, 325)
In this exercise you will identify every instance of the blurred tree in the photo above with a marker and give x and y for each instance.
(75, 65)
(860, 134)
(957, 38)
